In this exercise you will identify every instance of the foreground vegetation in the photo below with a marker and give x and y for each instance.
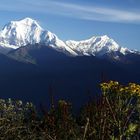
(115, 116)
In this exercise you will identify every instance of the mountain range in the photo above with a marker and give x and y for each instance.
(33, 59)
(17, 34)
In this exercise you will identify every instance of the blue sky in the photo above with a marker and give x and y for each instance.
(80, 19)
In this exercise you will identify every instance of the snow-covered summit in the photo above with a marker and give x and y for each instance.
(97, 46)
(20, 33)
(27, 31)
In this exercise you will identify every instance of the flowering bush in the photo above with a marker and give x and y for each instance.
(117, 114)
(114, 116)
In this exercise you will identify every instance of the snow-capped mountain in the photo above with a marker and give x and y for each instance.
(20, 33)
(27, 31)
(97, 46)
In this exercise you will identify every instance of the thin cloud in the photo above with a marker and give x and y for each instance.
(99, 13)
(95, 13)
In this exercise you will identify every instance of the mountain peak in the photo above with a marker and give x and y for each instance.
(97, 46)
(27, 31)
(105, 37)
(25, 22)
(20, 33)
(28, 19)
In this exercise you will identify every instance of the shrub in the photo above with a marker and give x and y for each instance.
(114, 116)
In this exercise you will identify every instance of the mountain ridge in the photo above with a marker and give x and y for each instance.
(20, 33)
